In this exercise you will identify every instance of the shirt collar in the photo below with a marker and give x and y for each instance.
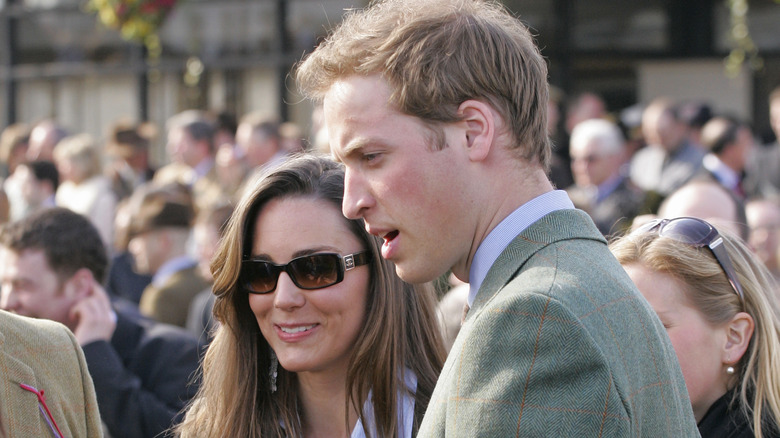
(503, 234)
(723, 173)
(171, 267)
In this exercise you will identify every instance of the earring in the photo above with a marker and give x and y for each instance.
(730, 370)
(272, 372)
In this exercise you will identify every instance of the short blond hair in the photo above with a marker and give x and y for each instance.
(436, 54)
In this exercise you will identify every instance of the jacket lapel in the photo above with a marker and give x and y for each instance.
(556, 226)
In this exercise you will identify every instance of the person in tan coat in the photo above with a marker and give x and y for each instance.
(44, 356)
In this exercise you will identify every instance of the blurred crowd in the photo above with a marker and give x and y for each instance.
(161, 226)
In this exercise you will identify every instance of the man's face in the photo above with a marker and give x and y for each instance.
(31, 288)
(148, 250)
(409, 192)
(183, 148)
(592, 165)
(258, 148)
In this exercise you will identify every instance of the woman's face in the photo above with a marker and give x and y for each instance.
(310, 330)
(699, 345)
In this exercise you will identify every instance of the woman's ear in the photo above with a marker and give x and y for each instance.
(479, 120)
(739, 331)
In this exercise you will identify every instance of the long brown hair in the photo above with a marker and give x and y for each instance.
(400, 331)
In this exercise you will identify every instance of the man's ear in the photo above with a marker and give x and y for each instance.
(479, 120)
(80, 284)
(739, 331)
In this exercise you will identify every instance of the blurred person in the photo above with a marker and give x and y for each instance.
(159, 233)
(695, 114)
(83, 186)
(329, 343)
(728, 143)
(38, 182)
(208, 229)
(44, 136)
(670, 159)
(14, 142)
(259, 139)
(191, 149)
(124, 285)
(291, 138)
(706, 200)
(53, 265)
(720, 308)
(450, 172)
(560, 165)
(43, 357)
(450, 311)
(602, 188)
(763, 169)
(225, 126)
(231, 171)
(584, 106)
(763, 220)
(127, 150)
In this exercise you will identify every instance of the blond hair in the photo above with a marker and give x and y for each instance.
(707, 288)
(400, 330)
(437, 54)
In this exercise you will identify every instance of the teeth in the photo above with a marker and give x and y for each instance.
(292, 330)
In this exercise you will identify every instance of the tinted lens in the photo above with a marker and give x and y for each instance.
(315, 271)
(260, 277)
(688, 231)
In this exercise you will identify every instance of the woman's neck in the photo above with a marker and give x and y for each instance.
(323, 397)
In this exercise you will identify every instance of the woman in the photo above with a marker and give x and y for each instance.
(719, 306)
(358, 349)
(83, 188)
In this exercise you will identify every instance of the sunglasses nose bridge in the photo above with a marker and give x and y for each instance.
(287, 294)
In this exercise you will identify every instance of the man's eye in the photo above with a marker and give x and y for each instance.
(370, 157)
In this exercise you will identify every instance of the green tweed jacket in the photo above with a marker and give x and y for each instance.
(44, 355)
(559, 343)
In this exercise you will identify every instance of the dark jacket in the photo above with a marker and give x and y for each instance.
(726, 420)
(144, 376)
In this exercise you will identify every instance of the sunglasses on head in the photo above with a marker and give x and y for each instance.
(698, 233)
(315, 271)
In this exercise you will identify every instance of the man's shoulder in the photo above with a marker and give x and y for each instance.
(22, 331)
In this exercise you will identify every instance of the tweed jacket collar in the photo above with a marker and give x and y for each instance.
(556, 226)
(17, 406)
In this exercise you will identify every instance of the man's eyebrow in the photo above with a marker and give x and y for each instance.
(353, 148)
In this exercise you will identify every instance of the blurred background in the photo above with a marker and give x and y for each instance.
(72, 60)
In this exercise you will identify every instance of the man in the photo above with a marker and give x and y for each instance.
(763, 220)
(38, 182)
(127, 149)
(437, 109)
(670, 159)
(598, 155)
(43, 356)
(160, 229)
(763, 173)
(53, 263)
(706, 200)
(259, 140)
(191, 150)
(44, 136)
(728, 143)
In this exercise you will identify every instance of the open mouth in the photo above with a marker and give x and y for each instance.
(390, 236)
